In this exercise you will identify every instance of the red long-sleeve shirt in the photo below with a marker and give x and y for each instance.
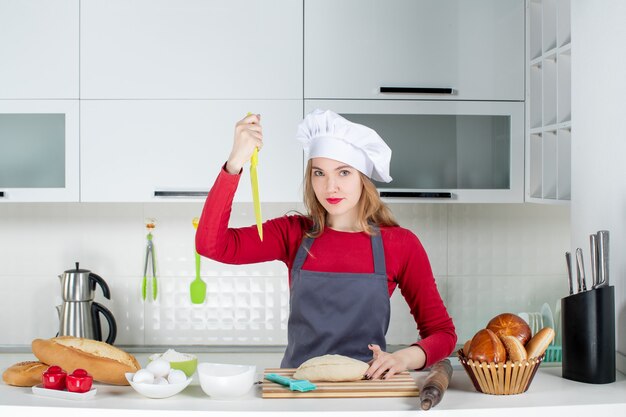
(334, 251)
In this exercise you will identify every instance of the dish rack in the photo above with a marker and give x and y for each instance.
(553, 354)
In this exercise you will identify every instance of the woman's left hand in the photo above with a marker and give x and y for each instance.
(412, 357)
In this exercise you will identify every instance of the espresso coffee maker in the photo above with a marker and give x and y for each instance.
(79, 315)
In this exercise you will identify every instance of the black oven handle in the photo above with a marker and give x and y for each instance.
(180, 193)
(416, 194)
(417, 90)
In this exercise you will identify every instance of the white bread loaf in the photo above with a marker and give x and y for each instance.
(333, 368)
(104, 362)
(24, 374)
(539, 342)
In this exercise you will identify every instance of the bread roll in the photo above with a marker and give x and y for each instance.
(508, 324)
(515, 351)
(104, 362)
(333, 368)
(466, 347)
(540, 342)
(486, 347)
(24, 374)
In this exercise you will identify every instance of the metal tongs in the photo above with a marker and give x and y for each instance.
(150, 225)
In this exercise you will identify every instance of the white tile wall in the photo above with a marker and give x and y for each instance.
(486, 258)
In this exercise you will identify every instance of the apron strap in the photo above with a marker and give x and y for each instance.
(303, 251)
(379, 252)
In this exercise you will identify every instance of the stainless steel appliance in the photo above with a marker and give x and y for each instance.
(79, 315)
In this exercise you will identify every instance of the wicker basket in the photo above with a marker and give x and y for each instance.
(501, 378)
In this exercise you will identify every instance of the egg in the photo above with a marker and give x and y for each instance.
(160, 381)
(159, 368)
(143, 376)
(176, 376)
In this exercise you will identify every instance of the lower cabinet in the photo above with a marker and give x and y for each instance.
(148, 151)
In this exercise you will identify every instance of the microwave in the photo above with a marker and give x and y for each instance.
(445, 151)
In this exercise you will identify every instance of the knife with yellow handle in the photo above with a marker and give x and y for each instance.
(254, 179)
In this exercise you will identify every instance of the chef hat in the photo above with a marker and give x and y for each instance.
(326, 134)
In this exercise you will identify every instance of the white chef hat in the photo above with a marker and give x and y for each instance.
(326, 134)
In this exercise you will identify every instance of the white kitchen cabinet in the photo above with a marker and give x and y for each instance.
(39, 144)
(139, 150)
(548, 102)
(353, 48)
(445, 151)
(193, 49)
(39, 49)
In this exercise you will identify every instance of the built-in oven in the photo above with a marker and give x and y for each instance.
(445, 151)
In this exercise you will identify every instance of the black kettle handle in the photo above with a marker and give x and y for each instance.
(95, 310)
(97, 279)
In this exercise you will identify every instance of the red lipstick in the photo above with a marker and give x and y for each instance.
(334, 200)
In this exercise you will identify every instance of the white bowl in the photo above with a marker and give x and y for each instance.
(156, 391)
(223, 381)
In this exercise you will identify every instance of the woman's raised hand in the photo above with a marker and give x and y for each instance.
(248, 136)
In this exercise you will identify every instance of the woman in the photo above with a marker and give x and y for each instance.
(345, 258)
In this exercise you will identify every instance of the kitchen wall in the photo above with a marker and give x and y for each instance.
(487, 259)
(599, 142)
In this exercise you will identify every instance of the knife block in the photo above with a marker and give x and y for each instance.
(588, 336)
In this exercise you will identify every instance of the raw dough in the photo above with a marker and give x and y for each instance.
(333, 368)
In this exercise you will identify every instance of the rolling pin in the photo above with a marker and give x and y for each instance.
(436, 384)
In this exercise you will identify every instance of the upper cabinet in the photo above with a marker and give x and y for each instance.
(157, 150)
(39, 49)
(193, 49)
(416, 49)
(39, 150)
(548, 103)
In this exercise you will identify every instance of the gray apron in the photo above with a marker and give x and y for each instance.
(335, 312)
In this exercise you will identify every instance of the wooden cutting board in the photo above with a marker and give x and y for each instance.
(400, 385)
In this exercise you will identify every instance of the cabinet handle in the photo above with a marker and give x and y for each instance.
(1, 194)
(180, 193)
(415, 194)
(416, 90)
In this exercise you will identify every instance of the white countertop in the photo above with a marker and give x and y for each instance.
(549, 394)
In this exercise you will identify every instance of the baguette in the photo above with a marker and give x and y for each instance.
(515, 351)
(24, 374)
(104, 362)
(540, 342)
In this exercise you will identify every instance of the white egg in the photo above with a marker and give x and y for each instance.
(176, 376)
(160, 381)
(159, 368)
(143, 376)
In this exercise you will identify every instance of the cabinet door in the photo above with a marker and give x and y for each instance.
(205, 49)
(132, 149)
(38, 150)
(355, 47)
(39, 49)
(445, 151)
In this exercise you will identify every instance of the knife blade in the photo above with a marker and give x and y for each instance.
(603, 258)
(254, 179)
(570, 281)
(593, 247)
(580, 271)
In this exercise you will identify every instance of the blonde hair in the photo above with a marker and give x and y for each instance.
(371, 209)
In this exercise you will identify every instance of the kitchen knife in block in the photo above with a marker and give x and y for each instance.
(301, 385)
